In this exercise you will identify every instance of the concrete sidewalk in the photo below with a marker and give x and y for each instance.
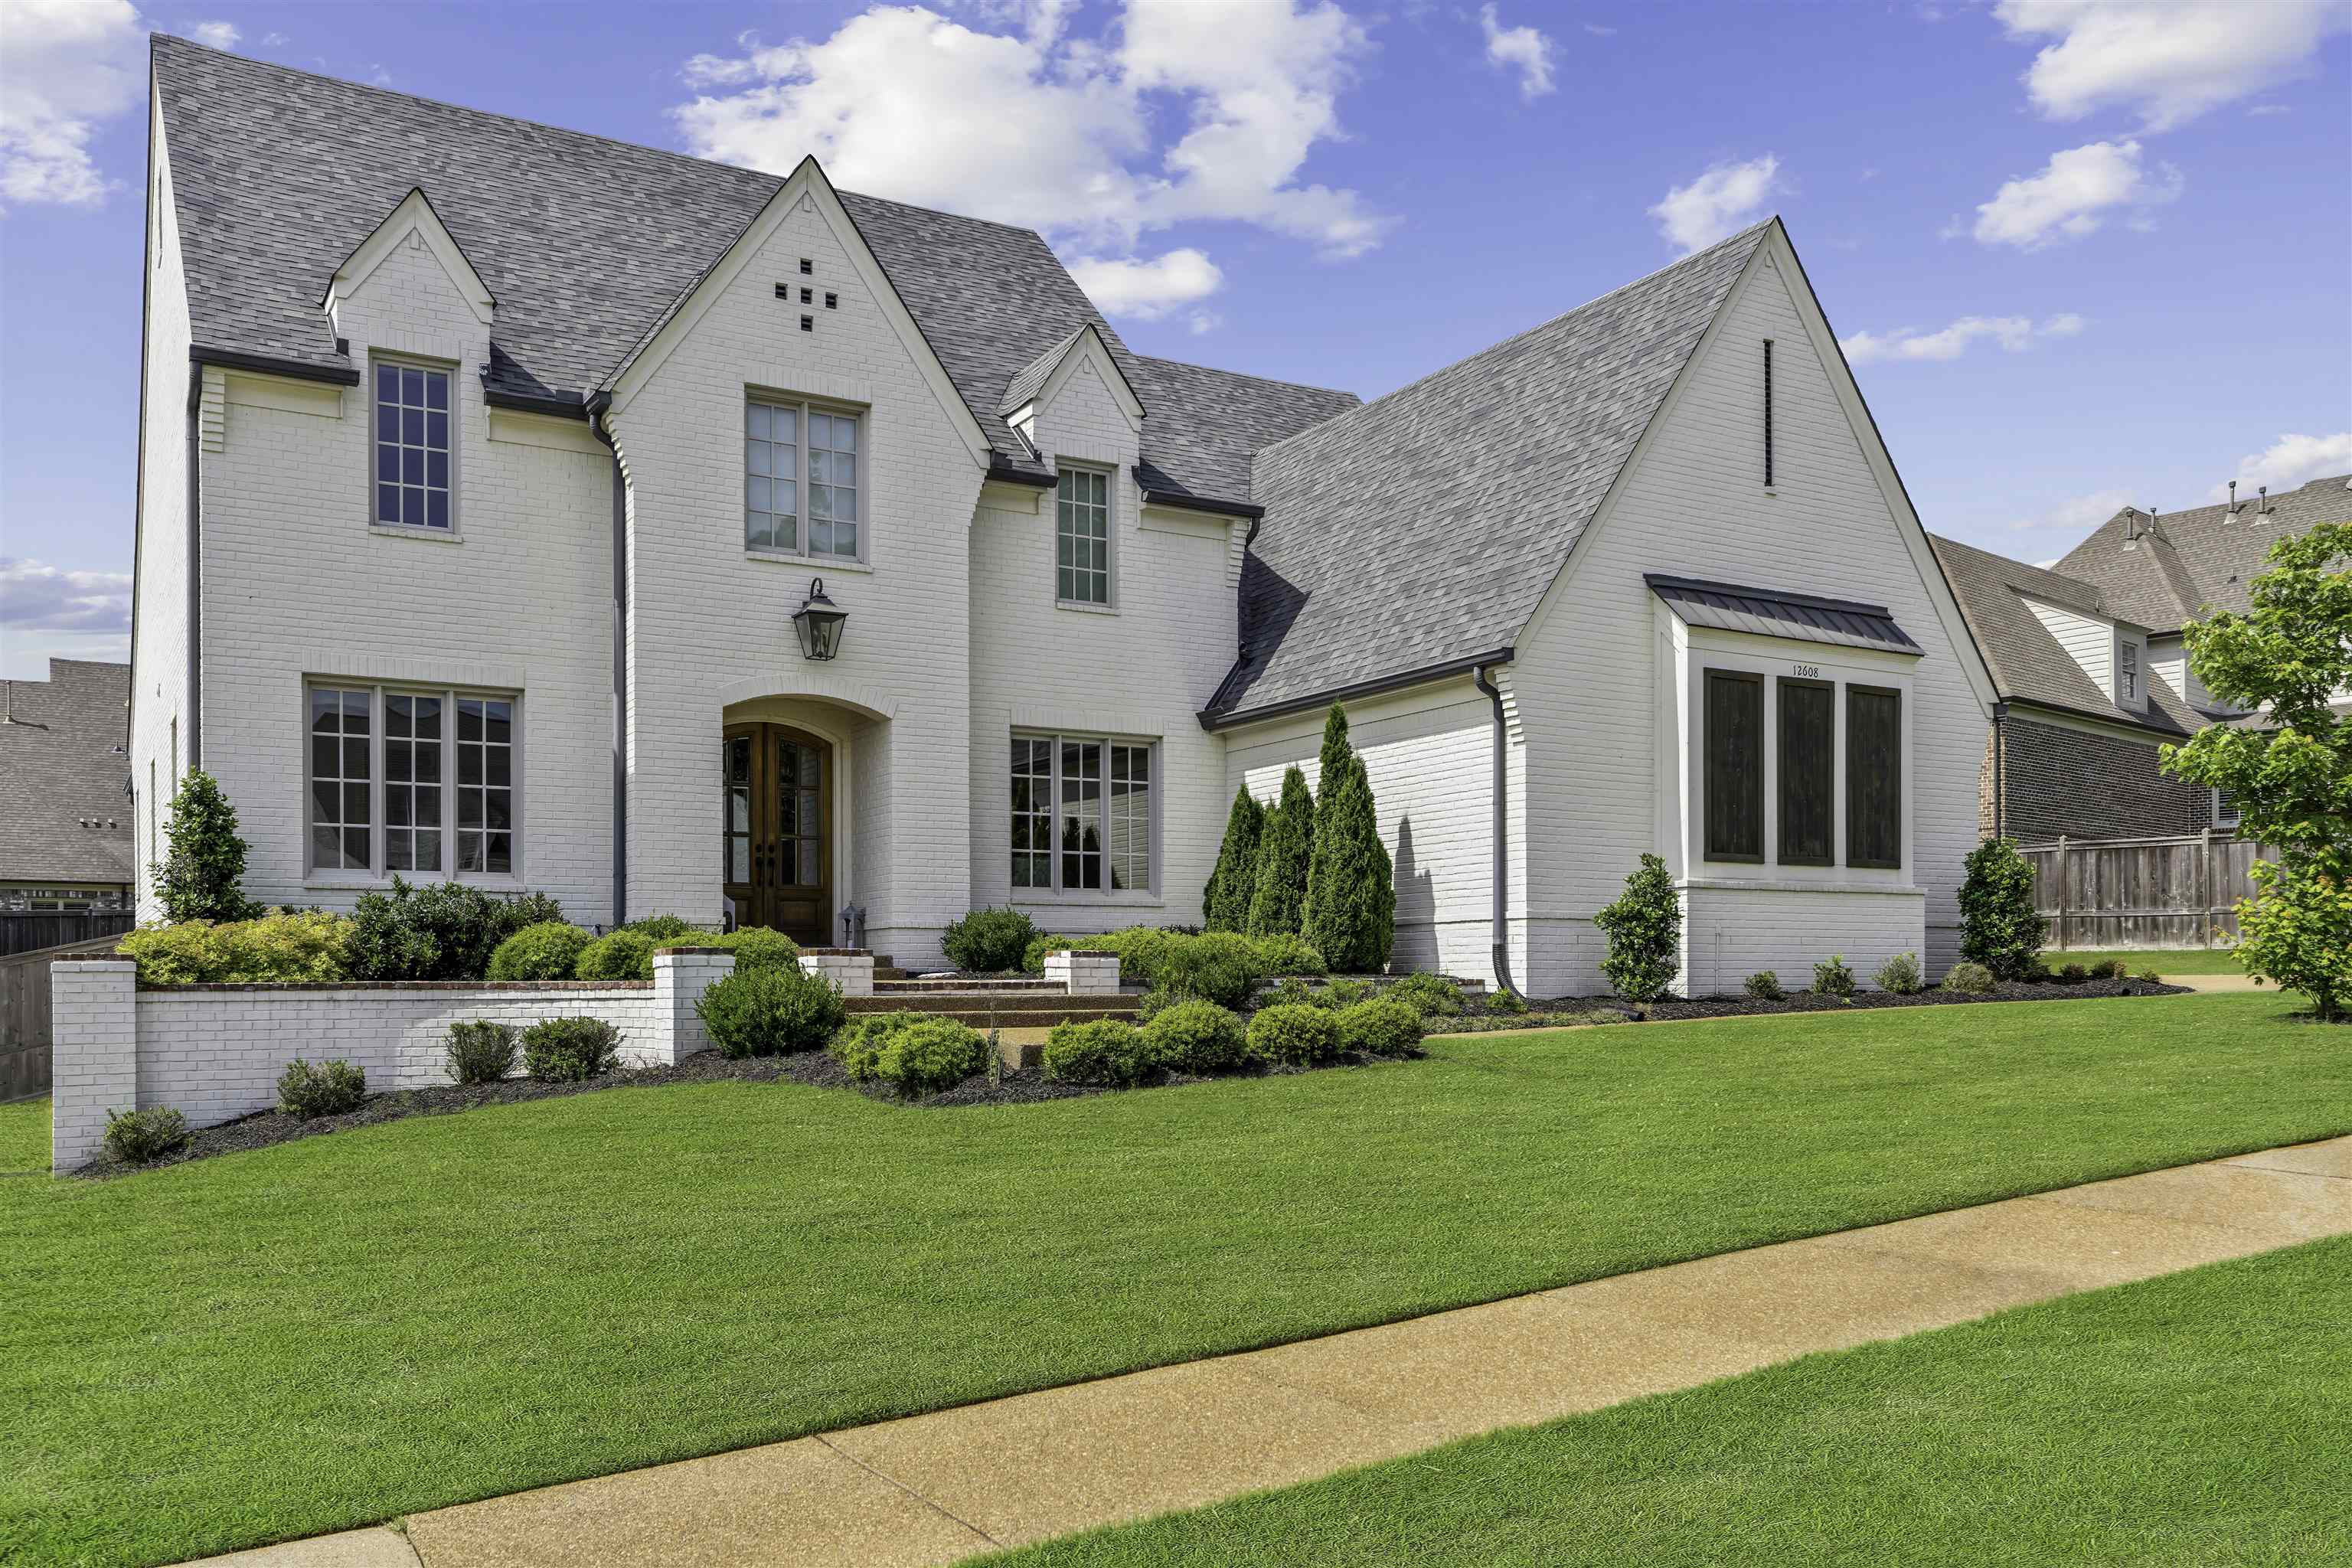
(936, 1487)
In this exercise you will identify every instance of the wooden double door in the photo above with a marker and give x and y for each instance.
(778, 829)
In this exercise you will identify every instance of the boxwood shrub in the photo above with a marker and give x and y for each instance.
(1292, 1036)
(771, 1012)
(858, 1045)
(1105, 1051)
(436, 931)
(1197, 1037)
(623, 954)
(931, 1055)
(543, 952)
(663, 928)
(569, 1050)
(1286, 952)
(1969, 979)
(1430, 995)
(990, 941)
(275, 950)
(136, 1136)
(754, 947)
(1380, 1027)
(329, 1089)
(482, 1052)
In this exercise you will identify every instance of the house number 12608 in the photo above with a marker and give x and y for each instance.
(1807, 671)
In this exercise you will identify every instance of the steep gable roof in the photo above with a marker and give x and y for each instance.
(2028, 664)
(1207, 425)
(1425, 526)
(588, 244)
(67, 818)
(2204, 557)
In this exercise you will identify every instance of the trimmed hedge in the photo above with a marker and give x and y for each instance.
(1146, 954)
(276, 949)
(569, 1050)
(1969, 979)
(1294, 1035)
(661, 930)
(436, 931)
(1429, 995)
(858, 1045)
(1197, 1037)
(771, 1012)
(931, 1055)
(482, 1052)
(623, 954)
(1104, 1052)
(135, 1137)
(330, 1089)
(990, 941)
(754, 947)
(1380, 1027)
(543, 952)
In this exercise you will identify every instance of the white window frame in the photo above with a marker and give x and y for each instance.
(375, 874)
(1154, 793)
(801, 409)
(1109, 570)
(448, 371)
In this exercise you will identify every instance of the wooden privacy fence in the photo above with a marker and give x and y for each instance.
(24, 931)
(25, 1016)
(2100, 893)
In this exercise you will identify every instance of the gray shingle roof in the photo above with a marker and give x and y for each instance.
(62, 778)
(2200, 558)
(1765, 612)
(2028, 664)
(1204, 425)
(587, 243)
(1425, 526)
(1031, 376)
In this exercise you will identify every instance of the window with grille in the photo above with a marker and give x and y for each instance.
(412, 446)
(413, 781)
(1082, 814)
(787, 446)
(1082, 537)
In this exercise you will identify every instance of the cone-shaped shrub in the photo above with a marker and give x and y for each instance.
(1282, 858)
(1644, 928)
(1226, 906)
(1346, 917)
(198, 878)
(1999, 926)
(1338, 753)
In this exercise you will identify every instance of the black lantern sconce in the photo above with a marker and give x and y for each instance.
(818, 622)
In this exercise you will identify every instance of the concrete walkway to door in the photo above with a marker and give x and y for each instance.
(955, 1483)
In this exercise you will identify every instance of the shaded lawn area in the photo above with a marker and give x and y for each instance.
(350, 1328)
(2202, 1418)
(2164, 960)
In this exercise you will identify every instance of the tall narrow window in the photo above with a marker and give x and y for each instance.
(772, 490)
(1128, 836)
(1873, 777)
(1768, 414)
(1081, 814)
(412, 781)
(832, 484)
(1032, 813)
(1082, 538)
(2127, 674)
(412, 446)
(738, 827)
(1734, 765)
(1808, 779)
(340, 779)
(485, 785)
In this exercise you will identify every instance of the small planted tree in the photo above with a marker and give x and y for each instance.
(1281, 890)
(1999, 928)
(1226, 903)
(1645, 927)
(198, 876)
(2290, 777)
(1350, 915)
(1336, 759)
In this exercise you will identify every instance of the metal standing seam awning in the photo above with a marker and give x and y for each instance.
(1764, 612)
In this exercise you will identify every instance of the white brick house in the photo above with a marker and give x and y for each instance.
(485, 467)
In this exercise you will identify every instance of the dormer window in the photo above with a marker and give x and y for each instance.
(2127, 674)
(412, 446)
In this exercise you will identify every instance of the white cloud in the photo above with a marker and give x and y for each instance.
(1726, 198)
(1598, 31)
(2073, 194)
(1126, 286)
(2081, 513)
(1181, 112)
(37, 598)
(215, 34)
(1522, 49)
(2014, 333)
(66, 65)
(2263, 110)
(2290, 462)
(2171, 60)
(273, 40)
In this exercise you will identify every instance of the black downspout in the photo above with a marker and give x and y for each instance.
(2000, 770)
(620, 668)
(195, 697)
(1502, 841)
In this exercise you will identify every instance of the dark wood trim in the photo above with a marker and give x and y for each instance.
(1855, 763)
(1829, 772)
(267, 364)
(1713, 786)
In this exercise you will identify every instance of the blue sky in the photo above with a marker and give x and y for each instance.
(2081, 251)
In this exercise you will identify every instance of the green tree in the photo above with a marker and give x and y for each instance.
(1998, 927)
(1282, 859)
(198, 876)
(1644, 928)
(1350, 915)
(1338, 754)
(1226, 905)
(2290, 778)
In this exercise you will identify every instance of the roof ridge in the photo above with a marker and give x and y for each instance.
(158, 39)
(1725, 242)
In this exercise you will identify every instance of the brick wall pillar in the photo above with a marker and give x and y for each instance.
(850, 968)
(681, 975)
(1083, 973)
(93, 1053)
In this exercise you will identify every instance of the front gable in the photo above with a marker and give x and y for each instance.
(413, 226)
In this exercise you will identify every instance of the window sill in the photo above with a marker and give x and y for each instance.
(415, 530)
(820, 564)
(1084, 609)
(1082, 900)
(332, 882)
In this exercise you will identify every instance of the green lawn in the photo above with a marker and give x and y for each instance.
(2202, 1418)
(2166, 960)
(351, 1328)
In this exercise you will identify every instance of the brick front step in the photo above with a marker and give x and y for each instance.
(1002, 1009)
(986, 1019)
(897, 984)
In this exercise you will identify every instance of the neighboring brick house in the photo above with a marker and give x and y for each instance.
(65, 830)
(2093, 674)
(515, 451)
